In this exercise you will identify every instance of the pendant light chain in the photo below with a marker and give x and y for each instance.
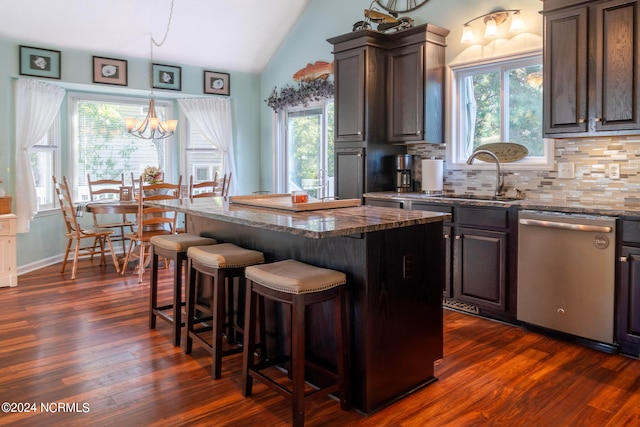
(151, 127)
(166, 33)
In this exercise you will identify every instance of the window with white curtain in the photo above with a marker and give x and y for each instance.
(500, 101)
(45, 163)
(199, 157)
(101, 145)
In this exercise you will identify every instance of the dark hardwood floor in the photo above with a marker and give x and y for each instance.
(86, 345)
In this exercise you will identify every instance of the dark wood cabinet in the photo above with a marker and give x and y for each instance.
(349, 175)
(480, 268)
(628, 304)
(628, 293)
(591, 53)
(376, 96)
(415, 75)
(565, 71)
(363, 156)
(480, 259)
(350, 69)
(447, 238)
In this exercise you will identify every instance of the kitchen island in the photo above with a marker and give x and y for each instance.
(393, 260)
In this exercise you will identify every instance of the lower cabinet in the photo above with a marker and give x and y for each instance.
(480, 268)
(480, 258)
(628, 296)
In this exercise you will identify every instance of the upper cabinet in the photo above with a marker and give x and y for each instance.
(349, 118)
(390, 86)
(591, 54)
(415, 85)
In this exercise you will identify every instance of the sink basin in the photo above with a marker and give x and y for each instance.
(474, 197)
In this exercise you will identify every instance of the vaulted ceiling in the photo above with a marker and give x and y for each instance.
(233, 35)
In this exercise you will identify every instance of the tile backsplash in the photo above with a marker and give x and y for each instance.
(592, 182)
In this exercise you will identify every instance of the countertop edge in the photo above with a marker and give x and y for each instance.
(302, 223)
(530, 204)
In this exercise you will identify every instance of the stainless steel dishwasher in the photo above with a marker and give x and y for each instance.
(566, 273)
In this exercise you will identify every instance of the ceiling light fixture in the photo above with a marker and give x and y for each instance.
(152, 127)
(491, 21)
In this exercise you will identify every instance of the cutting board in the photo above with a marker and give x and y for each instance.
(283, 202)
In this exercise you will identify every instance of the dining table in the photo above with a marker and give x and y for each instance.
(112, 206)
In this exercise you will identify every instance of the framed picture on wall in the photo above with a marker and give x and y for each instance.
(216, 83)
(39, 62)
(110, 71)
(166, 77)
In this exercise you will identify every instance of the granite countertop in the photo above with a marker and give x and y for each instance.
(314, 224)
(533, 204)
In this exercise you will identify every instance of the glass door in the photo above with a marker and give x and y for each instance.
(309, 150)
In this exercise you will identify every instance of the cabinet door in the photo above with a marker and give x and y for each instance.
(480, 266)
(406, 93)
(349, 176)
(628, 305)
(447, 235)
(616, 73)
(349, 68)
(565, 72)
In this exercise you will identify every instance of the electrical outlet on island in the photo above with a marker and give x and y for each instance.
(566, 170)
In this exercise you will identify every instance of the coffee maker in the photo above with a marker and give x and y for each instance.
(404, 163)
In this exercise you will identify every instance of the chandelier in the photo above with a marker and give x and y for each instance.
(152, 127)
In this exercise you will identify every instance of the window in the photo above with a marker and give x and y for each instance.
(306, 149)
(101, 145)
(45, 163)
(199, 157)
(501, 101)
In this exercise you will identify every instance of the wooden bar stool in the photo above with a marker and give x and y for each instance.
(219, 264)
(298, 285)
(173, 247)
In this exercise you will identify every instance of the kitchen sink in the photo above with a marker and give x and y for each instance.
(475, 197)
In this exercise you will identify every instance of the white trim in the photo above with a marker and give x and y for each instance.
(453, 162)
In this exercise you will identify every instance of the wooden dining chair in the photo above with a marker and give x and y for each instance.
(75, 233)
(102, 189)
(151, 221)
(226, 184)
(205, 188)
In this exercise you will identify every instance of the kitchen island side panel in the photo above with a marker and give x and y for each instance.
(394, 283)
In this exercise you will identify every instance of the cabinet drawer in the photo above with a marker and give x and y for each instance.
(631, 231)
(433, 208)
(5, 227)
(385, 203)
(498, 218)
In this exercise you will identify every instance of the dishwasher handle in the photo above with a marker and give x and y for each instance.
(566, 225)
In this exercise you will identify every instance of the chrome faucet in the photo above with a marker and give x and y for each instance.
(499, 177)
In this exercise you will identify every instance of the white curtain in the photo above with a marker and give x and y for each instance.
(470, 115)
(36, 104)
(212, 117)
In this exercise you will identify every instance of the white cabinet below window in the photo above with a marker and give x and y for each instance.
(8, 270)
